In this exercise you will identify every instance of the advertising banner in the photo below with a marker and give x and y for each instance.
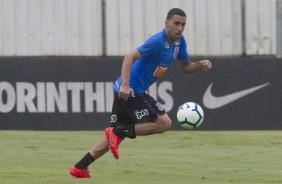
(75, 93)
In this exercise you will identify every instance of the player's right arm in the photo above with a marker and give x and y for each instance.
(125, 89)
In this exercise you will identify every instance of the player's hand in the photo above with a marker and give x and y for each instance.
(124, 92)
(206, 65)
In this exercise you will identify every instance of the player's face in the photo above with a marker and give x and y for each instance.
(175, 27)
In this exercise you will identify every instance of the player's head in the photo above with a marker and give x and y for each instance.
(175, 24)
(175, 11)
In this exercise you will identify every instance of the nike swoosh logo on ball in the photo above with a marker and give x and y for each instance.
(213, 102)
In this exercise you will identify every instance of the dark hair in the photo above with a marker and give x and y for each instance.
(175, 11)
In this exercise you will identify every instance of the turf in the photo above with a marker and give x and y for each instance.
(175, 157)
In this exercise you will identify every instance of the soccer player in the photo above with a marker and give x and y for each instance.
(134, 112)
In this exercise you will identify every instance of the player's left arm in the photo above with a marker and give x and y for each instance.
(191, 67)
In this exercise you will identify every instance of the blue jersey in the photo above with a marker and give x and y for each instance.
(156, 56)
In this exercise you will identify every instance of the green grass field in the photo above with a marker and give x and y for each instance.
(175, 157)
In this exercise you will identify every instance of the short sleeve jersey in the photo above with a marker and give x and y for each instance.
(157, 54)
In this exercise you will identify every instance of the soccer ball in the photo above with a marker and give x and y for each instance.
(190, 115)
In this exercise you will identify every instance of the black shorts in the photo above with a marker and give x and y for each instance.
(138, 109)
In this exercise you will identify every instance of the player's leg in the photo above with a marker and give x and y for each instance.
(103, 145)
(80, 169)
(100, 148)
(143, 110)
(151, 117)
(117, 134)
(160, 125)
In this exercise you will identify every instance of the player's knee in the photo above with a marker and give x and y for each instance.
(164, 124)
(167, 125)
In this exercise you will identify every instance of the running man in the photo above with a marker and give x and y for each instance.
(134, 112)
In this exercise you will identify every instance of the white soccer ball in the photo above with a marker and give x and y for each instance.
(190, 115)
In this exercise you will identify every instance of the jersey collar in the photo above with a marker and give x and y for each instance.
(167, 43)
